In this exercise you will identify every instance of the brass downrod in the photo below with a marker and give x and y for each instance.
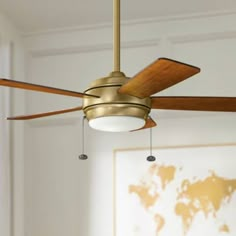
(116, 34)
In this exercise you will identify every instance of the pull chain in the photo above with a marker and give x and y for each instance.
(150, 157)
(83, 156)
(150, 138)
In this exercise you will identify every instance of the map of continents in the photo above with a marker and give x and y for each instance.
(205, 196)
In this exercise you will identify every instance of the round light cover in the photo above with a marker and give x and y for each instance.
(117, 123)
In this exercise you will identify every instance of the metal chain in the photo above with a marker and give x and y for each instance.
(83, 156)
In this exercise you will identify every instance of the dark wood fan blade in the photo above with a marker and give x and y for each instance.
(41, 88)
(161, 74)
(34, 116)
(224, 104)
(149, 124)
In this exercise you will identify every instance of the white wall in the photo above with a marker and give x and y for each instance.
(65, 196)
(11, 136)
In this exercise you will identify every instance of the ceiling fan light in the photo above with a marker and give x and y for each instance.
(117, 123)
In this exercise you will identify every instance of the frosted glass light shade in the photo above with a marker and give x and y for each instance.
(117, 123)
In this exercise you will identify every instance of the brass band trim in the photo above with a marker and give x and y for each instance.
(100, 110)
(102, 86)
(117, 104)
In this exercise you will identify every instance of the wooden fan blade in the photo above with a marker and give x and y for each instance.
(161, 74)
(225, 104)
(41, 88)
(34, 116)
(149, 124)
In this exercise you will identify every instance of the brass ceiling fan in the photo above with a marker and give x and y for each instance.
(117, 103)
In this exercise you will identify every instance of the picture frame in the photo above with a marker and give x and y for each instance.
(187, 191)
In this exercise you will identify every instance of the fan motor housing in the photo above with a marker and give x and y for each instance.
(111, 102)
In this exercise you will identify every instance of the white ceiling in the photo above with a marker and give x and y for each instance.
(35, 15)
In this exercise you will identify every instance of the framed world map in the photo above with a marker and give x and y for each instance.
(187, 191)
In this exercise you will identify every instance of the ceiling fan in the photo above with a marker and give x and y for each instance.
(117, 103)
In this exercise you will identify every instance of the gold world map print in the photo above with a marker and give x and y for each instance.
(186, 192)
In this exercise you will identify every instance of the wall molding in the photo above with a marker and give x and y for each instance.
(91, 48)
(104, 25)
(186, 38)
(6, 158)
(202, 37)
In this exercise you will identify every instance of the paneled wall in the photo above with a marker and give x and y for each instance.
(11, 134)
(5, 161)
(66, 196)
